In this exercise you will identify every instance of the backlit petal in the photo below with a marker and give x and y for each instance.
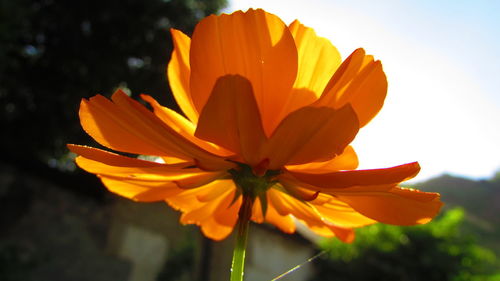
(216, 217)
(118, 173)
(256, 45)
(373, 193)
(231, 119)
(318, 59)
(133, 178)
(125, 125)
(160, 173)
(207, 215)
(311, 134)
(104, 121)
(306, 213)
(349, 68)
(348, 160)
(203, 210)
(227, 211)
(214, 230)
(359, 81)
(179, 72)
(285, 204)
(200, 179)
(191, 199)
(345, 179)
(299, 192)
(215, 189)
(330, 230)
(142, 191)
(114, 159)
(182, 126)
(397, 206)
(342, 214)
(283, 222)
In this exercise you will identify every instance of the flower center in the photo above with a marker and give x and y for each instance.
(251, 185)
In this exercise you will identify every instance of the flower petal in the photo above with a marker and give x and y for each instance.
(286, 204)
(142, 191)
(107, 165)
(256, 45)
(348, 160)
(345, 235)
(341, 214)
(183, 126)
(283, 222)
(207, 215)
(168, 136)
(114, 159)
(359, 81)
(214, 230)
(217, 188)
(349, 68)
(192, 199)
(318, 59)
(125, 125)
(373, 193)
(227, 211)
(132, 178)
(299, 192)
(188, 199)
(162, 173)
(200, 179)
(216, 217)
(203, 211)
(306, 213)
(179, 72)
(345, 179)
(231, 119)
(397, 206)
(367, 92)
(311, 134)
(104, 121)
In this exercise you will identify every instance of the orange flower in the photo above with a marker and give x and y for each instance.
(271, 110)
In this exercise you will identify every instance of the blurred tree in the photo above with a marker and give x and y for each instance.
(438, 251)
(55, 52)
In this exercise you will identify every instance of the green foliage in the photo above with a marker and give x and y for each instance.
(496, 177)
(437, 251)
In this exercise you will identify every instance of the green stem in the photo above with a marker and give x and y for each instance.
(244, 215)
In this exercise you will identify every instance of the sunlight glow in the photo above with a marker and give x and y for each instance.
(443, 104)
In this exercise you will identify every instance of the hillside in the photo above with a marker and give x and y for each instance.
(479, 198)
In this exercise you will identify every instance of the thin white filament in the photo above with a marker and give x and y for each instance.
(299, 266)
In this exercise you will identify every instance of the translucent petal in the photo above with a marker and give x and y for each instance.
(311, 134)
(348, 160)
(359, 81)
(179, 72)
(256, 45)
(232, 120)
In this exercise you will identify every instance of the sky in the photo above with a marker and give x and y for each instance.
(442, 62)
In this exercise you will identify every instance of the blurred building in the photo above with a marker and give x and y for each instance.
(50, 233)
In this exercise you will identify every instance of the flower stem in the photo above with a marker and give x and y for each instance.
(244, 215)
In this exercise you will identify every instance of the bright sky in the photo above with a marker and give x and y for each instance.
(442, 60)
